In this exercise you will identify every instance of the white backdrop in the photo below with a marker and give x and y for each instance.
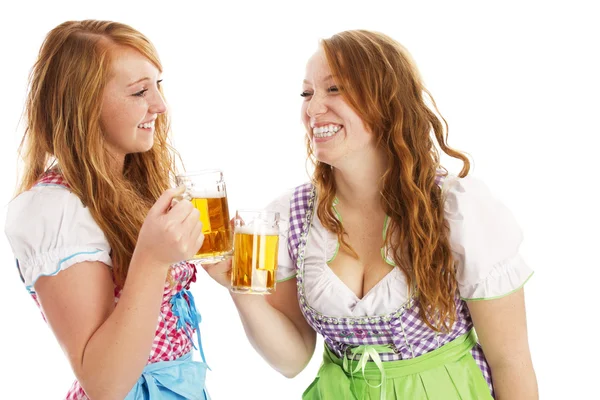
(518, 83)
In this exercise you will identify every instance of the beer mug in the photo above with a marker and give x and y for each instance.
(256, 243)
(206, 191)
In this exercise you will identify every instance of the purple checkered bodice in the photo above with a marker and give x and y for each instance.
(402, 330)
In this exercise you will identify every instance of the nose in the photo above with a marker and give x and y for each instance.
(316, 106)
(158, 105)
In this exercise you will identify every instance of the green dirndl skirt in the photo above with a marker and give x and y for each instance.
(447, 373)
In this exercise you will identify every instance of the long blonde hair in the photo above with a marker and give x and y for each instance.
(63, 126)
(381, 83)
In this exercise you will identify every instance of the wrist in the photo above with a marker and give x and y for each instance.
(141, 259)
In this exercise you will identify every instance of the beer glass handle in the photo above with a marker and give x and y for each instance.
(183, 196)
(284, 226)
(237, 220)
(177, 199)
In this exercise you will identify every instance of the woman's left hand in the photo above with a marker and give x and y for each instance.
(220, 272)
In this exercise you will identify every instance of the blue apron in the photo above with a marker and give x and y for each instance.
(182, 378)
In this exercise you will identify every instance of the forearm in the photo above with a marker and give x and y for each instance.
(515, 382)
(274, 336)
(117, 353)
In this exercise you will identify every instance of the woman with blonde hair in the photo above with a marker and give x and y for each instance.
(394, 261)
(98, 238)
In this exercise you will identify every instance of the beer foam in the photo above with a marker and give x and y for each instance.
(211, 193)
(252, 229)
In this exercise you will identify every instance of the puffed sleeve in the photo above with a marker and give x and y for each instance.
(49, 230)
(285, 267)
(485, 240)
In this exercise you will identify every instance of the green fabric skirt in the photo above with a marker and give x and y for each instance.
(447, 373)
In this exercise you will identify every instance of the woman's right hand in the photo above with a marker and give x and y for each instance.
(172, 230)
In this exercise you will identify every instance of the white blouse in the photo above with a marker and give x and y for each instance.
(49, 229)
(484, 238)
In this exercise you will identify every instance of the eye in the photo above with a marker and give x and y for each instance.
(158, 82)
(141, 93)
(333, 89)
(305, 94)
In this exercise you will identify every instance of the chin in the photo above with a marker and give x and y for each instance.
(323, 157)
(145, 147)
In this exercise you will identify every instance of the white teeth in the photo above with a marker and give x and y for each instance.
(326, 130)
(147, 125)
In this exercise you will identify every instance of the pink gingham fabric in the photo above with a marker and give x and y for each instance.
(169, 343)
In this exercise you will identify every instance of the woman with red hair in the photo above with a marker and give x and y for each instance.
(394, 261)
(100, 244)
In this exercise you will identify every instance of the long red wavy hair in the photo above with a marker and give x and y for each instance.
(380, 81)
(63, 127)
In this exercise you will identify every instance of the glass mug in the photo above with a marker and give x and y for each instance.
(206, 190)
(256, 244)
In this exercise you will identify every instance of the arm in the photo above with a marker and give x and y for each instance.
(502, 330)
(273, 323)
(107, 345)
(277, 329)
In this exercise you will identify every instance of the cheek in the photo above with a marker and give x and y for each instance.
(107, 121)
(118, 123)
(127, 115)
(113, 124)
(359, 132)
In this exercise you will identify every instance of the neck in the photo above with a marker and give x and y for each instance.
(117, 162)
(358, 181)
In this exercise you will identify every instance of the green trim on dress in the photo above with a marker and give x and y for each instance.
(500, 296)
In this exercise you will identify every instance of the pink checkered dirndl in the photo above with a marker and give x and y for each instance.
(178, 318)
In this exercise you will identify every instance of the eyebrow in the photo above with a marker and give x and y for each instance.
(328, 77)
(138, 81)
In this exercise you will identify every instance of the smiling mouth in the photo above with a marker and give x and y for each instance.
(147, 125)
(326, 131)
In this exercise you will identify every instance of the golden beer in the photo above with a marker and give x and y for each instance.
(254, 260)
(214, 215)
(206, 191)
